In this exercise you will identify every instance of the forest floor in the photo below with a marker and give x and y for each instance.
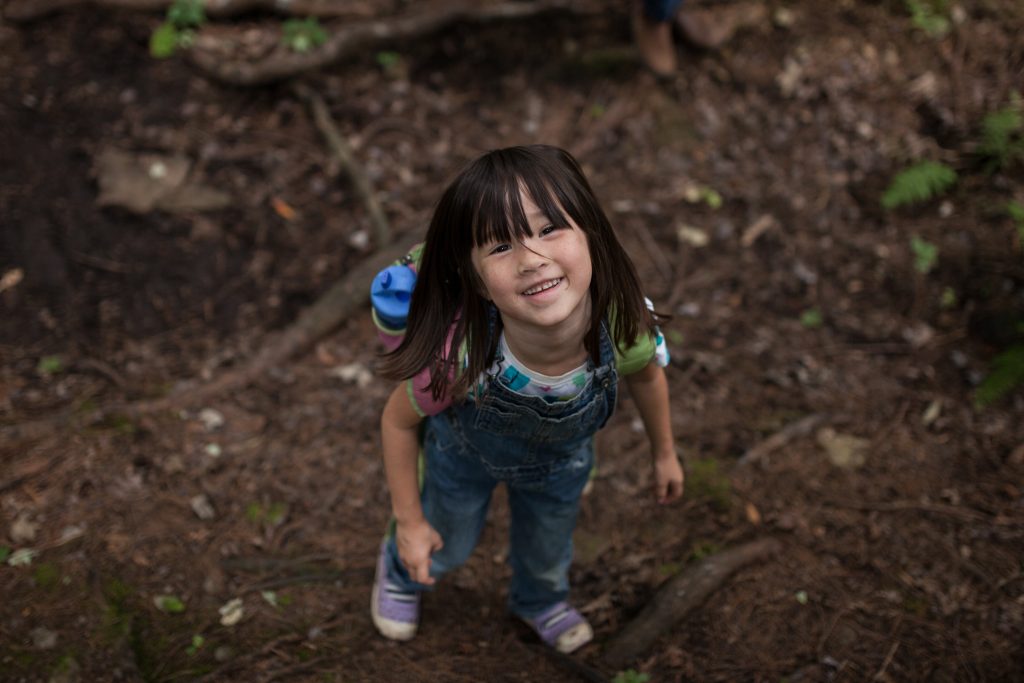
(747, 189)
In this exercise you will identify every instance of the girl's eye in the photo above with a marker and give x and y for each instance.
(498, 249)
(548, 230)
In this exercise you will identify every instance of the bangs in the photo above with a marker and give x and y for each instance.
(499, 215)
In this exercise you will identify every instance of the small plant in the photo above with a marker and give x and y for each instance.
(49, 365)
(186, 13)
(631, 676)
(930, 16)
(812, 319)
(303, 35)
(388, 59)
(1016, 211)
(197, 644)
(271, 515)
(702, 549)
(926, 254)
(918, 183)
(1005, 375)
(1002, 137)
(948, 299)
(179, 29)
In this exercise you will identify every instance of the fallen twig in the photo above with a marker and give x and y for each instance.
(679, 596)
(794, 430)
(343, 152)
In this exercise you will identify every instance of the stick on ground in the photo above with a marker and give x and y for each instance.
(679, 596)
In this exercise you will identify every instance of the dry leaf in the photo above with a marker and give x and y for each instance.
(283, 209)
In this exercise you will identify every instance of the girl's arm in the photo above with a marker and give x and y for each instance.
(415, 537)
(649, 389)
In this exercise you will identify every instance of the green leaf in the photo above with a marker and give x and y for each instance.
(801, 597)
(1002, 136)
(812, 319)
(186, 13)
(197, 643)
(387, 59)
(1016, 211)
(631, 676)
(711, 197)
(164, 40)
(918, 183)
(5, 552)
(1005, 375)
(948, 299)
(930, 16)
(169, 604)
(49, 365)
(926, 254)
(302, 35)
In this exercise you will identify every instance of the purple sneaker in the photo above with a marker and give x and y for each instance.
(396, 614)
(562, 627)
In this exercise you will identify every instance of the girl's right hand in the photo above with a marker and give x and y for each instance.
(417, 541)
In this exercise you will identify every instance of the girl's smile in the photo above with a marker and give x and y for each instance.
(541, 284)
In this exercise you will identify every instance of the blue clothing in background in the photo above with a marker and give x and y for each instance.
(661, 10)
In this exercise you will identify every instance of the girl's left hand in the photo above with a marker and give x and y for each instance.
(668, 478)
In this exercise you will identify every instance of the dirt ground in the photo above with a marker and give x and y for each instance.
(900, 511)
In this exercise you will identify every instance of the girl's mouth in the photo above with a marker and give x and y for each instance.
(544, 286)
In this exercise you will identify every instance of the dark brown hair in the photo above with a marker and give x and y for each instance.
(483, 204)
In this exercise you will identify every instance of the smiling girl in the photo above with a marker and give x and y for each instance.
(525, 314)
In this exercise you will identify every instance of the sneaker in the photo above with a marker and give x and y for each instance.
(396, 613)
(562, 627)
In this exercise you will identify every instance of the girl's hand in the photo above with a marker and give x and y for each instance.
(668, 477)
(416, 542)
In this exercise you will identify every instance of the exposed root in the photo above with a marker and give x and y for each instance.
(679, 596)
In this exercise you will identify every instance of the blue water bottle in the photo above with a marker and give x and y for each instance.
(390, 295)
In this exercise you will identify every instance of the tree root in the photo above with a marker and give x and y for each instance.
(31, 10)
(345, 297)
(357, 38)
(679, 596)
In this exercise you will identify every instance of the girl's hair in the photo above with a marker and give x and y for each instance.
(482, 205)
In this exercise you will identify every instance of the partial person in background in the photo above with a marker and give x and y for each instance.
(704, 27)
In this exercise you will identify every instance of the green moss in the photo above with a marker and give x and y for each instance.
(704, 479)
(46, 575)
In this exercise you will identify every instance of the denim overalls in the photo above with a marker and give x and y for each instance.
(542, 451)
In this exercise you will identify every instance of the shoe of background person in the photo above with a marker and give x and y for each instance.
(654, 41)
(396, 614)
(562, 627)
(711, 27)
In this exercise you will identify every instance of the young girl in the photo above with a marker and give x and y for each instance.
(525, 313)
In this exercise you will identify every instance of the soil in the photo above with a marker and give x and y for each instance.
(901, 514)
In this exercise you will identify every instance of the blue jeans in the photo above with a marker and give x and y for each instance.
(661, 10)
(542, 451)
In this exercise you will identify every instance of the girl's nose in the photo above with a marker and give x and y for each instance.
(530, 260)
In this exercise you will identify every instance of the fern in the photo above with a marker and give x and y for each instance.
(1002, 137)
(1005, 375)
(918, 183)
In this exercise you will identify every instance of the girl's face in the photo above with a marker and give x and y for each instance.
(542, 282)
